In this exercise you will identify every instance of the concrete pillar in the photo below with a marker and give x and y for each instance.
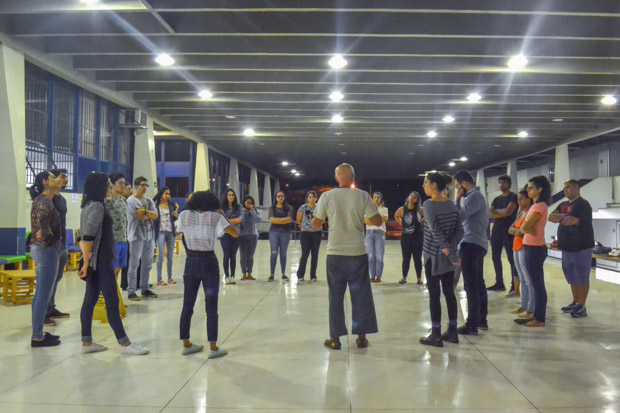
(201, 173)
(480, 181)
(254, 184)
(144, 157)
(267, 197)
(15, 218)
(511, 171)
(562, 167)
(276, 187)
(233, 176)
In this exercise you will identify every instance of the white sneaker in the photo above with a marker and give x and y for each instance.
(93, 348)
(134, 349)
(195, 348)
(220, 352)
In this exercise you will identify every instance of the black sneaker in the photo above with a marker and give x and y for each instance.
(450, 335)
(284, 278)
(569, 308)
(133, 297)
(48, 341)
(433, 339)
(270, 279)
(49, 322)
(579, 311)
(313, 279)
(58, 314)
(51, 336)
(497, 287)
(149, 294)
(483, 325)
(467, 330)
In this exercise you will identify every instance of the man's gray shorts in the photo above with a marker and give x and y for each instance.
(577, 265)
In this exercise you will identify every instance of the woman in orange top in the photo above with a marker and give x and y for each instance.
(527, 292)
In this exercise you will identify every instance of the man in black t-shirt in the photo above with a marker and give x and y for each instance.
(576, 240)
(503, 212)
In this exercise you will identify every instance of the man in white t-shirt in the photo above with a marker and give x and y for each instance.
(347, 260)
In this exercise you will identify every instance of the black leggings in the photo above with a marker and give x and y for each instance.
(230, 246)
(411, 246)
(434, 292)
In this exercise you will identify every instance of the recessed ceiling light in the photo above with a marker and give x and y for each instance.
(343, 153)
(433, 171)
(451, 164)
(297, 174)
(336, 96)
(411, 153)
(337, 118)
(474, 97)
(431, 134)
(341, 144)
(89, 2)
(522, 134)
(557, 120)
(284, 163)
(517, 62)
(205, 94)
(164, 59)
(420, 145)
(448, 119)
(497, 146)
(249, 132)
(338, 133)
(609, 100)
(337, 62)
(231, 117)
(294, 171)
(463, 159)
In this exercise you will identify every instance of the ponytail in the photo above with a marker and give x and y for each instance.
(38, 187)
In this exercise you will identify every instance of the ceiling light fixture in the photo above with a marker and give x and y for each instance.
(431, 134)
(338, 133)
(249, 132)
(517, 62)
(557, 120)
(337, 62)
(205, 94)
(452, 164)
(609, 100)
(294, 171)
(284, 163)
(336, 96)
(164, 59)
(448, 119)
(337, 118)
(89, 2)
(522, 134)
(297, 174)
(463, 159)
(474, 97)
(231, 117)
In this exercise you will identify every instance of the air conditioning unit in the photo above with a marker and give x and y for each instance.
(132, 118)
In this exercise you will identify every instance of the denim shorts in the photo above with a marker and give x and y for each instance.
(577, 265)
(120, 260)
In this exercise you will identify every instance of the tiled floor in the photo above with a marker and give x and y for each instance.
(274, 334)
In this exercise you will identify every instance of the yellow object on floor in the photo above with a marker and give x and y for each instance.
(18, 285)
(100, 314)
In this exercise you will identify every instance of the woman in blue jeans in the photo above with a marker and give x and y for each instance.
(375, 240)
(167, 214)
(280, 217)
(97, 269)
(201, 226)
(232, 212)
(45, 250)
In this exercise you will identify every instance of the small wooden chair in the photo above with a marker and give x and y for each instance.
(74, 253)
(18, 286)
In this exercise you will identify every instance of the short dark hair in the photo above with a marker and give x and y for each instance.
(506, 178)
(249, 198)
(542, 182)
(463, 176)
(203, 201)
(442, 180)
(573, 182)
(115, 176)
(139, 180)
(59, 171)
(95, 188)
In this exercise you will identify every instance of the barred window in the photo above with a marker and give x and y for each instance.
(106, 139)
(37, 109)
(88, 125)
(64, 117)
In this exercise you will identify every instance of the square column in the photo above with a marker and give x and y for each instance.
(267, 197)
(144, 157)
(254, 184)
(562, 168)
(512, 173)
(201, 173)
(233, 176)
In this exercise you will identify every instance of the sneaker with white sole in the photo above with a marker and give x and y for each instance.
(93, 348)
(134, 349)
(220, 352)
(194, 348)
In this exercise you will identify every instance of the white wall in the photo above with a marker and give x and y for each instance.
(73, 209)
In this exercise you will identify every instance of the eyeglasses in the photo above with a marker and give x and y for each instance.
(530, 188)
(249, 202)
(280, 196)
(144, 185)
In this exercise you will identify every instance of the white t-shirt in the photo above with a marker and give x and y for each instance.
(345, 208)
(201, 231)
(383, 211)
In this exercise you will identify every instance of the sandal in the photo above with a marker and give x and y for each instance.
(333, 343)
(362, 342)
(171, 281)
(403, 281)
(161, 283)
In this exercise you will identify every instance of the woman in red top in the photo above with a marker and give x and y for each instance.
(527, 292)
(533, 231)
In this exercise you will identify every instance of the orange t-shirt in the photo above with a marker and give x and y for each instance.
(537, 238)
(517, 244)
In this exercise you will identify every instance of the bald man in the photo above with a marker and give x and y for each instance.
(347, 260)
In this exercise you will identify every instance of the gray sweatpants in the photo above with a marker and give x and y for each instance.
(351, 271)
(140, 250)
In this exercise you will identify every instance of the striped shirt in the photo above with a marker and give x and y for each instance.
(442, 229)
(201, 231)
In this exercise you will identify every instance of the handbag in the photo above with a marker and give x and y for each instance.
(600, 248)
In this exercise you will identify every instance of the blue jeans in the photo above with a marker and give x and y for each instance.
(62, 262)
(102, 280)
(535, 259)
(528, 296)
(164, 239)
(140, 253)
(46, 260)
(375, 247)
(279, 243)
